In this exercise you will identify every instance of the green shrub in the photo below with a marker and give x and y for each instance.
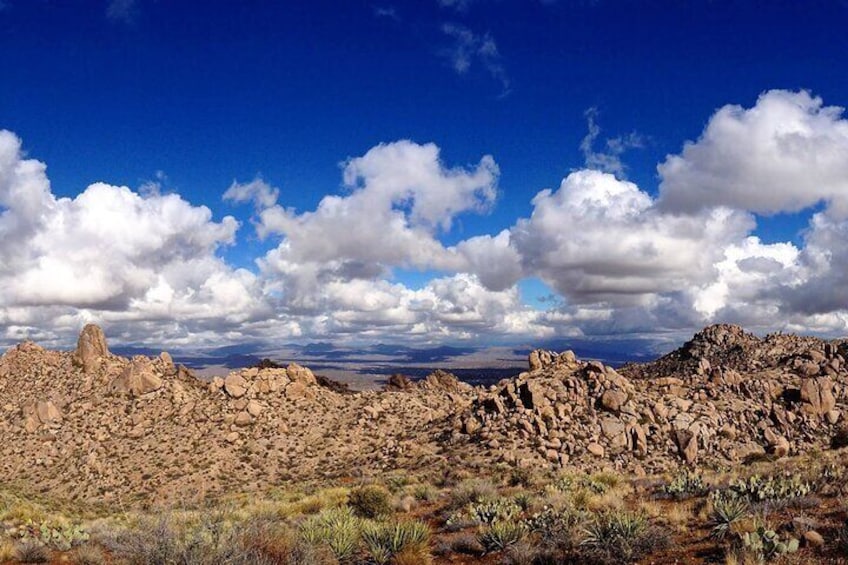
(484, 512)
(425, 492)
(552, 522)
(370, 501)
(524, 500)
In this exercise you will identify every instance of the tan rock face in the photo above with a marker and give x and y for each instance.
(687, 444)
(300, 374)
(254, 408)
(91, 348)
(613, 400)
(817, 395)
(235, 385)
(138, 378)
(596, 449)
(48, 413)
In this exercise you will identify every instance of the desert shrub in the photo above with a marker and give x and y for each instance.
(337, 528)
(385, 541)
(396, 483)
(467, 544)
(603, 481)
(493, 510)
(842, 539)
(8, 551)
(425, 492)
(829, 479)
(370, 501)
(31, 551)
(840, 438)
(88, 555)
(620, 537)
(523, 552)
(520, 477)
(470, 491)
(61, 535)
(726, 512)
(209, 541)
(685, 484)
(502, 534)
(269, 538)
(315, 503)
(412, 556)
(149, 543)
(563, 483)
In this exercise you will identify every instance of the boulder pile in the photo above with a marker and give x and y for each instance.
(722, 398)
(90, 425)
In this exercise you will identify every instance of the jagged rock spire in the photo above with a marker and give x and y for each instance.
(91, 348)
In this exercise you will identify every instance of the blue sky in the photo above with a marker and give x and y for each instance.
(489, 101)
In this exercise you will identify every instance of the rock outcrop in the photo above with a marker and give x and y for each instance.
(91, 349)
(95, 426)
(692, 406)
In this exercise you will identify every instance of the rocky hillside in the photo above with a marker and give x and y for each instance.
(93, 426)
(724, 397)
(90, 425)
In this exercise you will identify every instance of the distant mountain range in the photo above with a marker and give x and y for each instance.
(473, 364)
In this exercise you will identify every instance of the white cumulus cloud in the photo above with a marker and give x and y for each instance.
(785, 154)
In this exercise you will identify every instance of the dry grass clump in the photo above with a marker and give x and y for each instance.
(470, 491)
(209, 541)
(30, 551)
(88, 554)
(7, 550)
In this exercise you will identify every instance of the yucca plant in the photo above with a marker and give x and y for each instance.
(385, 541)
(338, 528)
(621, 537)
(502, 534)
(726, 512)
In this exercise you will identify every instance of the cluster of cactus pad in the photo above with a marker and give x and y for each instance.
(61, 537)
(685, 484)
(766, 544)
(758, 488)
(487, 511)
